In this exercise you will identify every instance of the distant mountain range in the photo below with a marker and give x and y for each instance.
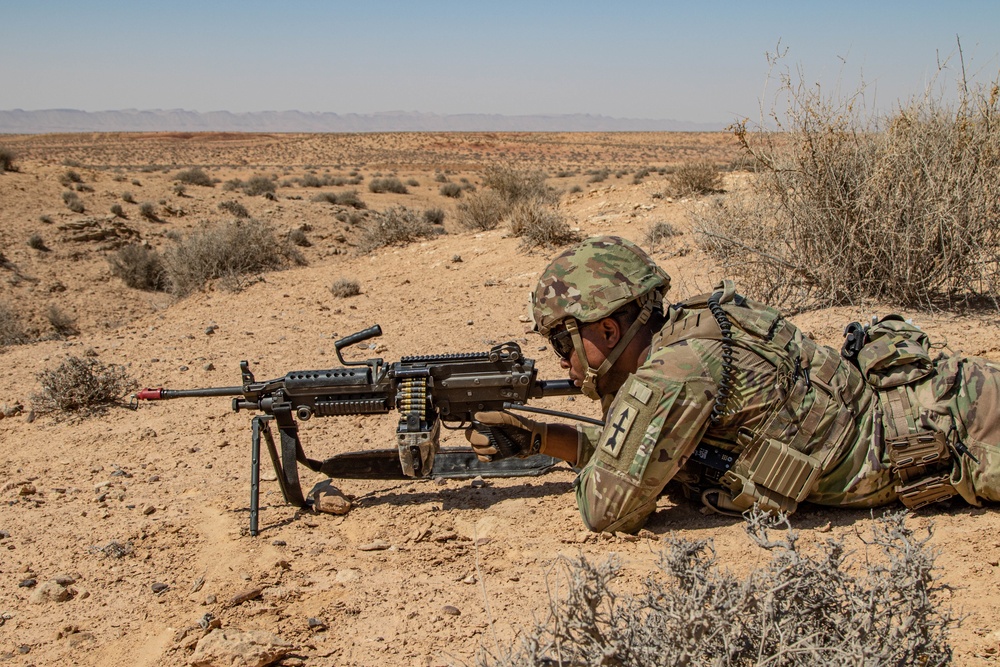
(18, 121)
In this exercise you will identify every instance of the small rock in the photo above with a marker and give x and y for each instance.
(377, 545)
(159, 587)
(471, 579)
(148, 509)
(27, 583)
(470, 322)
(209, 366)
(27, 490)
(445, 536)
(346, 576)
(183, 369)
(279, 543)
(316, 624)
(456, 259)
(330, 500)
(24, 649)
(245, 596)
(825, 528)
(50, 591)
(64, 579)
(478, 482)
(198, 583)
(210, 329)
(451, 610)
(230, 646)
(211, 599)
(283, 565)
(4, 534)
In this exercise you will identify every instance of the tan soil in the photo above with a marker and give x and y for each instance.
(189, 460)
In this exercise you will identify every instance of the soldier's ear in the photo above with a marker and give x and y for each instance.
(610, 331)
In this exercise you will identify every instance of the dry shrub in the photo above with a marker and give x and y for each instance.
(11, 330)
(482, 210)
(37, 242)
(82, 384)
(298, 237)
(694, 178)
(800, 609)
(118, 211)
(148, 211)
(435, 216)
(72, 201)
(195, 176)
(258, 185)
(539, 225)
(8, 160)
(345, 287)
(849, 207)
(139, 267)
(387, 185)
(63, 323)
(516, 185)
(394, 226)
(658, 232)
(453, 190)
(345, 198)
(231, 251)
(234, 208)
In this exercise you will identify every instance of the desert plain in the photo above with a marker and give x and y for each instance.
(141, 515)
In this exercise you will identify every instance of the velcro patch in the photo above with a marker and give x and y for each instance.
(618, 427)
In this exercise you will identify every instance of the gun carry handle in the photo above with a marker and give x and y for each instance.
(370, 332)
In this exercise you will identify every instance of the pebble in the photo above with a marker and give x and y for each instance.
(451, 610)
(279, 543)
(64, 579)
(50, 591)
(183, 369)
(377, 545)
(27, 490)
(27, 583)
(346, 576)
(478, 482)
(330, 500)
(209, 366)
(198, 583)
(245, 596)
(148, 509)
(445, 536)
(159, 587)
(4, 534)
(316, 624)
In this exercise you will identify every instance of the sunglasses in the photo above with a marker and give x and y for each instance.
(562, 343)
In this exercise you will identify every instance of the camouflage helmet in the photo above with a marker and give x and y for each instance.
(592, 280)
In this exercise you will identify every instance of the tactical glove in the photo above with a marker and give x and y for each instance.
(499, 435)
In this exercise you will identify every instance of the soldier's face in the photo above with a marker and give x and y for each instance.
(597, 344)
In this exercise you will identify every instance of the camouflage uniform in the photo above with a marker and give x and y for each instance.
(736, 404)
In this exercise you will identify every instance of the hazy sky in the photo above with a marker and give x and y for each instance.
(694, 61)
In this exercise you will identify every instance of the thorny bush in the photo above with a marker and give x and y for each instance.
(849, 207)
(808, 609)
(79, 384)
(231, 251)
(394, 226)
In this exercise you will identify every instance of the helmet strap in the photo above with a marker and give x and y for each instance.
(589, 384)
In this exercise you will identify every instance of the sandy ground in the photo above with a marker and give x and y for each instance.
(169, 483)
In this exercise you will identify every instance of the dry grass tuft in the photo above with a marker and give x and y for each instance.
(8, 160)
(539, 225)
(694, 179)
(195, 176)
(343, 288)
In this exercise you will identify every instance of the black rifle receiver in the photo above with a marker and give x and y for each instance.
(428, 391)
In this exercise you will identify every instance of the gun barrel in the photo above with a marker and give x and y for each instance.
(161, 394)
(554, 388)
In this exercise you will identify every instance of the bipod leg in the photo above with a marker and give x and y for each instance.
(255, 428)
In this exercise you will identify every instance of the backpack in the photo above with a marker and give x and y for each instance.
(890, 352)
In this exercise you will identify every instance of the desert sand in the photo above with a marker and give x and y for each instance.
(142, 515)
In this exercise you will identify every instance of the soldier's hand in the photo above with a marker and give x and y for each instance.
(499, 435)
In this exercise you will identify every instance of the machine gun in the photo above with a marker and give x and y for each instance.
(428, 391)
